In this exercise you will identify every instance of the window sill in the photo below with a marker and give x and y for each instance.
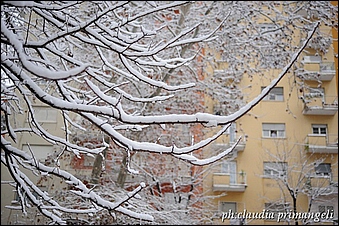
(274, 138)
(271, 177)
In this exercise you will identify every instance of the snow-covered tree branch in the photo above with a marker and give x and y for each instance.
(117, 68)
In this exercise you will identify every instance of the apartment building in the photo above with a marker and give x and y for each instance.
(287, 161)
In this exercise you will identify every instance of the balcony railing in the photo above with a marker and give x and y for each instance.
(326, 184)
(314, 71)
(229, 182)
(322, 40)
(240, 146)
(322, 143)
(320, 105)
(229, 143)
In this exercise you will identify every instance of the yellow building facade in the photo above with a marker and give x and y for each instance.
(285, 170)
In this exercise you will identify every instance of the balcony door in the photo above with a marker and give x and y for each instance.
(232, 132)
(230, 167)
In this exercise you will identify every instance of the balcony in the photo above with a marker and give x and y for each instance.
(323, 183)
(317, 71)
(241, 145)
(230, 137)
(322, 143)
(308, 14)
(235, 182)
(320, 105)
(224, 146)
(321, 41)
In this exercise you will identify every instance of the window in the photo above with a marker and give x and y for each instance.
(227, 206)
(312, 59)
(276, 94)
(319, 129)
(232, 132)
(267, 27)
(88, 160)
(327, 67)
(323, 169)
(3, 123)
(316, 93)
(17, 200)
(40, 151)
(230, 168)
(272, 169)
(273, 130)
(45, 114)
(272, 57)
(323, 209)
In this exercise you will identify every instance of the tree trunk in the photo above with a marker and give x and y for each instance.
(295, 209)
(97, 166)
(123, 172)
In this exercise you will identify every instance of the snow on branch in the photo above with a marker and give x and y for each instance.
(131, 72)
(82, 189)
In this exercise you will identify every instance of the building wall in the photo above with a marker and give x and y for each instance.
(53, 123)
(258, 189)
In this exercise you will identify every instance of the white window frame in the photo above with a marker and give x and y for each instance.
(274, 169)
(232, 132)
(323, 170)
(226, 206)
(323, 208)
(267, 27)
(41, 152)
(230, 167)
(311, 59)
(273, 130)
(271, 57)
(45, 114)
(88, 160)
(276, 94)
(319, 129)
(266, 30)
